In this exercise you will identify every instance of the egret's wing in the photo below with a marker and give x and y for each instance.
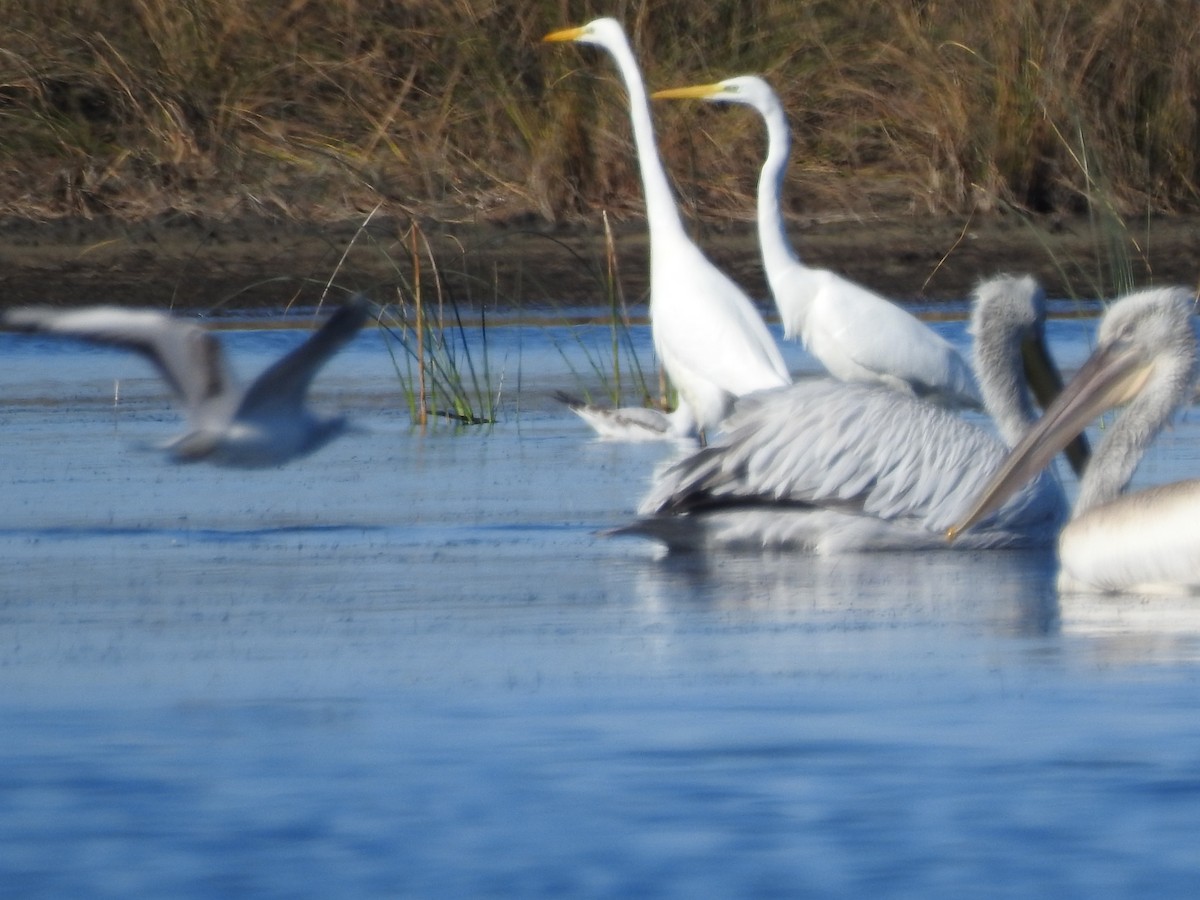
(850, 327)
(285, 383)
(822, 443)
(187, 356)
(712, 326)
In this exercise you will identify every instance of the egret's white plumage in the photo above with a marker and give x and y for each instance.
(826, 466)
(711, 340)
(855, 333)
(1143, 541)
(266, 424)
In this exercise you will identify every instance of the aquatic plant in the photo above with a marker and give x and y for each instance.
(432, 352)
(621, 372)
(437, 326)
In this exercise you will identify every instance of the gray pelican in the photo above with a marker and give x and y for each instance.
(1141, 541)
(711, 340)
(266, 424)
(825, 310)
(825, 466)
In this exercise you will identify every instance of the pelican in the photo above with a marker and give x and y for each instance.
(711, 340)
(825, 466)
(827, 312)
(266, 424)
(1144, 541)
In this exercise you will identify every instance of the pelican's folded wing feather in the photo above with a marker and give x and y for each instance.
(822, 443)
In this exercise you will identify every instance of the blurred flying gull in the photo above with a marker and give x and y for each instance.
(266, 424)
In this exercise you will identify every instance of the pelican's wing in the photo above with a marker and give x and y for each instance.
(187, 356)
(824, 444)
(284, 384)
(853, 330)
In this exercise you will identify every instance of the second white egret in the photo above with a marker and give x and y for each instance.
(855, 333)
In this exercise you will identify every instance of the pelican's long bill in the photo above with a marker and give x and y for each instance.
(1110, 377)
(1045, 382)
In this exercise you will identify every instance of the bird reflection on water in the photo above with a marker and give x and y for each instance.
(862, 591)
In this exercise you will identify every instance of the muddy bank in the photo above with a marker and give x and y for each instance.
(190, 263)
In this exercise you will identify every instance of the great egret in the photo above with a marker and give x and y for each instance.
(855, 333)
(1143, 541)
(826, 466)
(709, 337)
(265, 425)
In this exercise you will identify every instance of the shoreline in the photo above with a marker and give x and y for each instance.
(190, 263)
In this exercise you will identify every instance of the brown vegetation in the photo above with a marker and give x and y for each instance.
(452, 111)
(318, 106)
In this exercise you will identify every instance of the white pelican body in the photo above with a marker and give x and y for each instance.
(827, 467)
(1144, 541)
(266, 424)
(856, 334)
(1137, 542)
(711, 340)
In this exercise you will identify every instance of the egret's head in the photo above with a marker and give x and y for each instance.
(604, 32)
(747, 89)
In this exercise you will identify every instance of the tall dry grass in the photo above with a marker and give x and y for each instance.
(326, 107)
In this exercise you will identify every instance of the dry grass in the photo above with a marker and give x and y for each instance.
(317, 108)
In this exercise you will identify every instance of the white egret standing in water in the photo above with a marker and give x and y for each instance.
(855, 333)
(1146, 540)
(825, 466)
(711, 340)
(266, 424)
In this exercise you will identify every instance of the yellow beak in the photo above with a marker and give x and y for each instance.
(696, 92)
(565, 34)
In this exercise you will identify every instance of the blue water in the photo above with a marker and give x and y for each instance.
(409, 666)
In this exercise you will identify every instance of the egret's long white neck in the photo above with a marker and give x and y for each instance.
(661, 211)
(786, 274)
(777, 252)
